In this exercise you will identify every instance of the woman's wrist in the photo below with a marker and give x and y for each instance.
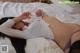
(16, 19)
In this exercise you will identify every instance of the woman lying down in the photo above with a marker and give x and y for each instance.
(49, 33)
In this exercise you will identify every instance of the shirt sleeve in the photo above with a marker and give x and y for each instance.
(6, 29)
(36, 29)
(41, 29)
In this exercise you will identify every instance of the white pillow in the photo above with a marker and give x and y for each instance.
(13, 9)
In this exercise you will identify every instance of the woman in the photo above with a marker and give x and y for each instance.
(62, 31)
(38, 45)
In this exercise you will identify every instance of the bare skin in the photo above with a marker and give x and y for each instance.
(25, 15)
(75, 37)
(62, 31)
(19, 24)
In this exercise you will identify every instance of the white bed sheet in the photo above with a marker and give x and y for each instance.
(42, 45)
(64, 13)
(9, 9)
(14, 9)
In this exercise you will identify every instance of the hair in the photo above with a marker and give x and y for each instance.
(46, 1)
(42, 1)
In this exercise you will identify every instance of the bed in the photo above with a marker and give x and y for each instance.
(10, 9)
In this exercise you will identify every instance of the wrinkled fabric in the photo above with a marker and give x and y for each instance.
(42, 45)
(10, 9)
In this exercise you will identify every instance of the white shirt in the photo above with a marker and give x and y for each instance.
(38, 28)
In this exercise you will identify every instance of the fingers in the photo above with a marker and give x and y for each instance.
(23, 16)
(26, 14)
(39, 12)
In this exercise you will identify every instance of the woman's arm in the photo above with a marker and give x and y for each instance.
(34, 29)
(6, 29)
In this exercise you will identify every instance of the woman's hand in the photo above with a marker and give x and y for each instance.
(23, 16)
(39, 12)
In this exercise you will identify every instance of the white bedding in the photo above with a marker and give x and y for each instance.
(9, 9)
(14, 9)
(64, 13)
(42, 45)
